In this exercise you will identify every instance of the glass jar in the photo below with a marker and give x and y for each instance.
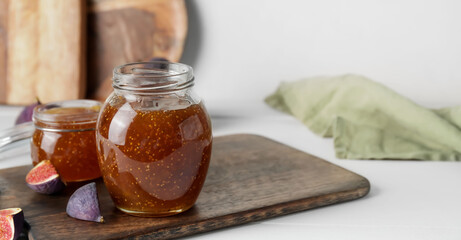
(65, 135)
(154, 139)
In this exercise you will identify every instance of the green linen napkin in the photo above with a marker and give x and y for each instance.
(370, 121)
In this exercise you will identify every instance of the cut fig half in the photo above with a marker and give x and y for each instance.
(11, 223)
(44, 178)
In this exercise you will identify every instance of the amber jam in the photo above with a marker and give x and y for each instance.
(154, 162)
(154, 149)
(65, 135)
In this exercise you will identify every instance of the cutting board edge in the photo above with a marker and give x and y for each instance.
(268, 212)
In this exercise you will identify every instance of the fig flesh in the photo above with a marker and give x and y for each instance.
(11, 223)
(44, 178)
(84, 204)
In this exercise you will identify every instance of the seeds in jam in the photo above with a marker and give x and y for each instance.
(69, 144)
(154, 162)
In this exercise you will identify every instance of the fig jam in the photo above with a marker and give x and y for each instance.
(154, 162)
(154, 139)
(65, 135)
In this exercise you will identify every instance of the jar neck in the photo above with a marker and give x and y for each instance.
(157, 77)
(67, 116)
(152, 92)
(66, 128)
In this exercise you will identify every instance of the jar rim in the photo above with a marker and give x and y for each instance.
(153, 76)
(43, 113)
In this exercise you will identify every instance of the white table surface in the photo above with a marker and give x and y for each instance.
(408, 199)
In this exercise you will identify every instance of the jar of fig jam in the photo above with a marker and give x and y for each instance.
(154, 139)
(65, 135)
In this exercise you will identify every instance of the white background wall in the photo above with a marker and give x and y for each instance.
(242, 49)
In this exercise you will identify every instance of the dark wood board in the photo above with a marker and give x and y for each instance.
(124, 31)
(250, 178)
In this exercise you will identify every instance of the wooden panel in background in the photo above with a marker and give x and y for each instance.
(250, 178)
(43, 52)
(46, 50)
(62, 50)
(3, 47)
(22, 63)
(123, 31)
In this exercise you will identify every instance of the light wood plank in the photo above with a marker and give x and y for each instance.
(3, 47)
(22, 60)
(62, 50)
(46, 50)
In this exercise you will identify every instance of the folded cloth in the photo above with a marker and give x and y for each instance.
(370, 121)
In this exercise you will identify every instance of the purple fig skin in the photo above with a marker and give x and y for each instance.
(84, 204)
(17, 216)
(157, 62)
(26, 113)
(50, 186)
(158, 59)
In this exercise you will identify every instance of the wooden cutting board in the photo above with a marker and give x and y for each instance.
(251, 178)
(124, 31)
(45, 55)
(60, 50)
(3, 48)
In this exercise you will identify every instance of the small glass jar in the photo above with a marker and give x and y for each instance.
(65, 135)
(154, 139)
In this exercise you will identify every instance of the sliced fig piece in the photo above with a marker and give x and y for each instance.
(84, 204)
(44, 178)
(11, 223)
(26, 114)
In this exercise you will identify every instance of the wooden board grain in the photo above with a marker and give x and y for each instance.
(124, 31)
(250, 178)
(46, 50)
(61, 50)
(3, 47)
(22, 60)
